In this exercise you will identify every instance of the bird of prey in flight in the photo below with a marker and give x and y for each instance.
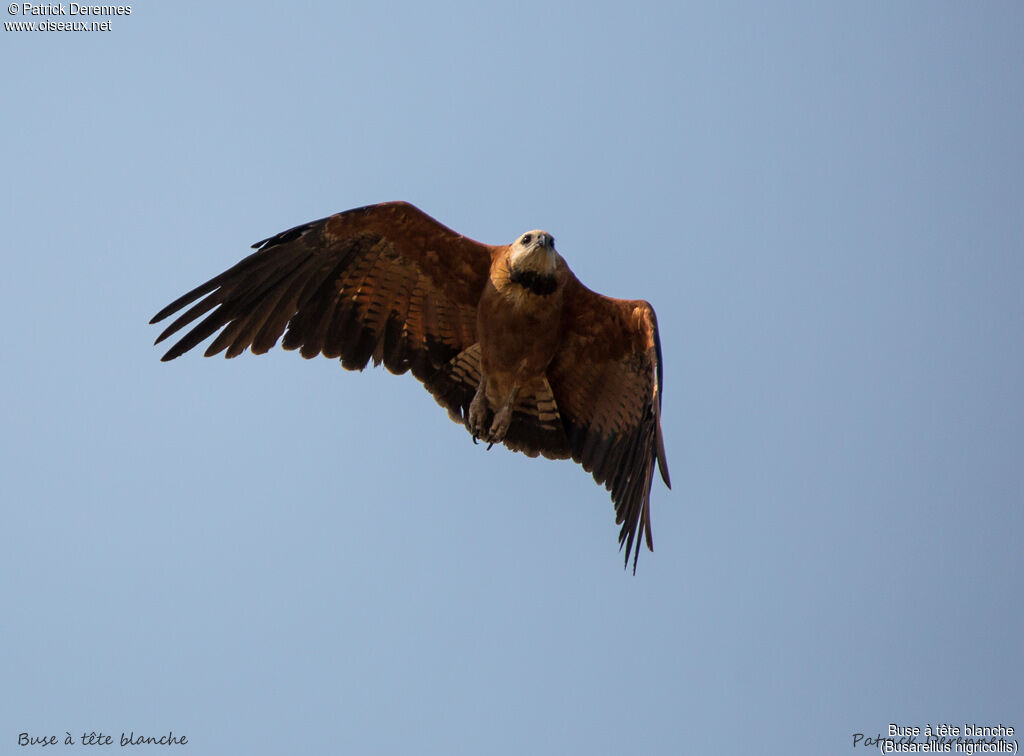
(504, 337)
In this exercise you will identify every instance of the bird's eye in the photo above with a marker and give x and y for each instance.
(526, 238)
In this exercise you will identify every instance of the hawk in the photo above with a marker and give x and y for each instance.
(504, 337)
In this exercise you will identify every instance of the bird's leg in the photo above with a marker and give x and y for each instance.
(478, 410)
(502, 419)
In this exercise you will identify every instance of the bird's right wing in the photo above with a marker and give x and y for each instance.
(385, 281)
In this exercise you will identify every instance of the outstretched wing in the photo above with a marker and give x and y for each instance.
(606, 379)
(385, 281)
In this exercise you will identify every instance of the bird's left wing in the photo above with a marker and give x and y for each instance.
(606, 380)
(385, 281)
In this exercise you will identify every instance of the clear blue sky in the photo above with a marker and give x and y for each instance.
(823, 201)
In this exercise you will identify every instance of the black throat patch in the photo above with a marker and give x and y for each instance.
(534, 282)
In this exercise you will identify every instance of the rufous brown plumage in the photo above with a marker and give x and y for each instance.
(504, 337)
